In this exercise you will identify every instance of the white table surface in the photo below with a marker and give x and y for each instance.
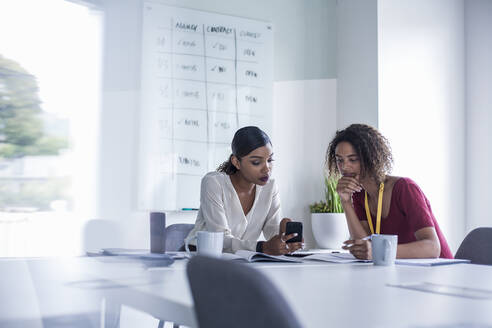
(320, 294)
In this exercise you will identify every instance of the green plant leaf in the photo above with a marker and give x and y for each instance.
(332, 203)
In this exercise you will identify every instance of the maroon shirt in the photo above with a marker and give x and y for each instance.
(409, 211)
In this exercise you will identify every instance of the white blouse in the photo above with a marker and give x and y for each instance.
(221, 210)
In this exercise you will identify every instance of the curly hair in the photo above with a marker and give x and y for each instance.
(371, 146)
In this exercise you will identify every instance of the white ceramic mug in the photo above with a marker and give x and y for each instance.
(384, 249)
(207, 243)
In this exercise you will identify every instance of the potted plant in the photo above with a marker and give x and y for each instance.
(327, 218)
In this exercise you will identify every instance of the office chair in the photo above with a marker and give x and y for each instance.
(477, 246)
(229, 294)
(98, 234)
(175, 236)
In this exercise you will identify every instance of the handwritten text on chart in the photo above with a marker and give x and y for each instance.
(186, 26)
(223, 125)
(188, 161)
(189, 122)
(204, 75)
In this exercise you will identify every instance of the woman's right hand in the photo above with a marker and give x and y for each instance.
(346, 186)
(359, 248)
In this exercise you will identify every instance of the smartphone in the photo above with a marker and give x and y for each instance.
(298, 254)
(293, 227)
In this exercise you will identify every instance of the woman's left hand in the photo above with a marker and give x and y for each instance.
(360, 248)
(278, 244)
(292, 247)
(283, 225)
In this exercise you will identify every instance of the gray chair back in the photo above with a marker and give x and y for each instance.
(477, 246)
(229, 294)
(175, 236)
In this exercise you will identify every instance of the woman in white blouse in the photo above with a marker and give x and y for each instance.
(242, 200)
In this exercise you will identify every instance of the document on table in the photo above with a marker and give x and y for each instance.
(139, 253)
(334, 258)
(250, 256)
(261, 257)
(312, 251)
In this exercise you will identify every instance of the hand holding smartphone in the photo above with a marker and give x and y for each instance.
(294, 227)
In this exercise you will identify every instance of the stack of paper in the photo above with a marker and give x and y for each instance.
(141, 255)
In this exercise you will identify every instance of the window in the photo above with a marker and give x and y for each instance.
(50, 59)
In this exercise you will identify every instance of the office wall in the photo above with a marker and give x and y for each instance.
(304, 121)
(304, 49)
(357, 62)
(421, 100)
(478, 33)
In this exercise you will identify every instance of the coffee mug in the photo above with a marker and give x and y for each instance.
(207, 243)
(157, 232)
(384, 249)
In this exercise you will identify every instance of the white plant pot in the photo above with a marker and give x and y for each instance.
(330, 229)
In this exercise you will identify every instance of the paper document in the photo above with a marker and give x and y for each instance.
(430, 262)
(258, 257)
(261, 257)
(138, 253)
(123, 251)
(335, 258)
(312, 251)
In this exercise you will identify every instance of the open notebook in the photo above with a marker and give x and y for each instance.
(250, 256)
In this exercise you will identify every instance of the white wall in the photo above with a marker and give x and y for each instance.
(478, 33)
(357, 60)
(304, 121)
(421, 101)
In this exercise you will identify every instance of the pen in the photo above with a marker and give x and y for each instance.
(189, 209)
(365, 238)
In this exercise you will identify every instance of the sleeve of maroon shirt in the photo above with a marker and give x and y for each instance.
(414, 205)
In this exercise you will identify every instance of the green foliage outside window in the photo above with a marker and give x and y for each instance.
(21, 126)
(22, 134)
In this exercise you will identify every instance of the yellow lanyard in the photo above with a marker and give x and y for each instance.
(380, 209)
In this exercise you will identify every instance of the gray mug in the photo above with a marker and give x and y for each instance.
(384, 249)
(157, 232)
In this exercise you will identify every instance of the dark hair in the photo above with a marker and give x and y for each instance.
(244, 142)
(371, 146)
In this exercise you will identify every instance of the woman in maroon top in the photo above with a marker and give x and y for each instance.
(362, 157)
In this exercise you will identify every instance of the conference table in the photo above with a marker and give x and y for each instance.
(88, 292)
